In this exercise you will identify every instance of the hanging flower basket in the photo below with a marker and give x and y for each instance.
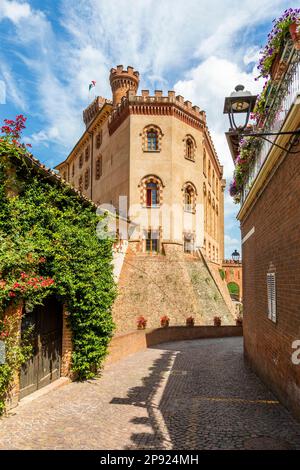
(294, 29)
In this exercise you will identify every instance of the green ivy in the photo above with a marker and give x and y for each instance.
(48, 244)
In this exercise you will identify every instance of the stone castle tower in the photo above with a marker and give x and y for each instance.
(152, 160)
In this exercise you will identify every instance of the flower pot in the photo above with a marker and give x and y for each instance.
(278, 68)
(295, 35)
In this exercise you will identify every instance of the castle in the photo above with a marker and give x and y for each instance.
(152, 160)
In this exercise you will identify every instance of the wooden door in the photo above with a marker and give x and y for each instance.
(44, 366)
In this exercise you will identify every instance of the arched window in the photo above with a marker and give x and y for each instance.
(80, 160)
(213, 180)
(152, 194)
(87, 153)
(189, 197)
(189, 149)
(151, 138)
(99, 139)
(204, 162)
(99, 167)
(151, 191)
(209, 172)
(190, 146)
(73, 170)
(86, 179)
(80, 184)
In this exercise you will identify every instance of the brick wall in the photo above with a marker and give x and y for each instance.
(124, 345)
(276, 244)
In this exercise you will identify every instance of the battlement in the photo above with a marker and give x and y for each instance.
(92, 109)
(120, 71)
(122, 81)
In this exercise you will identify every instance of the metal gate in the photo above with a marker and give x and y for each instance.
(44, 366)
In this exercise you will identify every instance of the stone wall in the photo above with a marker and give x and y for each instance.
(173, 284)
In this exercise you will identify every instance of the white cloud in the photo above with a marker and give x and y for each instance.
(14, 11)
(12, 88)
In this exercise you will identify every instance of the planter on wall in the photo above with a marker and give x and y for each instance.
(278, 68)
(295, 35)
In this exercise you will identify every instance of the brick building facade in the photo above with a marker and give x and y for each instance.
(269, 217)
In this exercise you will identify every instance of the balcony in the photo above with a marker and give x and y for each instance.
(281, 97)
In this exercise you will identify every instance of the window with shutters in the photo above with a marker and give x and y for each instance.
(271, 288)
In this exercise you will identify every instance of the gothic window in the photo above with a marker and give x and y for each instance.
(80, 184)
(152, 241)
(213, 180)
(87, 153)
(73, 170)
(209, 172)
(99, 167)
(151, 138)
(151, 191)
(190, 146)
(152, 196)
(99, 139)
(204, 162)
(86, 179)
(80, 160)
(189, 194)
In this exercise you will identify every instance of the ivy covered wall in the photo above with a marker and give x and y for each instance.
(48, 245)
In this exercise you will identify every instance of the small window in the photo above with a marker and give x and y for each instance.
(87, 153)
(152, 198)
(86, 179)
(271, 288)
(188, 200)
(209, 168)
(73, 170)
(99, 139)
(152, 241)
(152, 140)
(99, 167)
(80, 184)
(189, 149)
(80, 160)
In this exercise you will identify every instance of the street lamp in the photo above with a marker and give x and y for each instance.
(240, 101)
(236, 256)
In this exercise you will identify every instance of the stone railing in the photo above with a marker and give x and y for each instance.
(280, 99)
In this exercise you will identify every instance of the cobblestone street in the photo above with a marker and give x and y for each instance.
(184, 395)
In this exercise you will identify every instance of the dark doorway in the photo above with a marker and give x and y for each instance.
(44, 366)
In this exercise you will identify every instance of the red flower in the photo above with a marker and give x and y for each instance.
(16, 285)
(11, 294)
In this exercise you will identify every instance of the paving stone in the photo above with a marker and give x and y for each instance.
(182, 395)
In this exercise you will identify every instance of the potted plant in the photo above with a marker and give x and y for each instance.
(141, 323)
(190, 321)
(164, 321)
(239, 320)
(217, 321)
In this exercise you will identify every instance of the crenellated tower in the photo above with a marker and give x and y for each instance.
(122, 81)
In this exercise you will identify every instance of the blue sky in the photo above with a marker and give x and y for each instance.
(51, 50)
